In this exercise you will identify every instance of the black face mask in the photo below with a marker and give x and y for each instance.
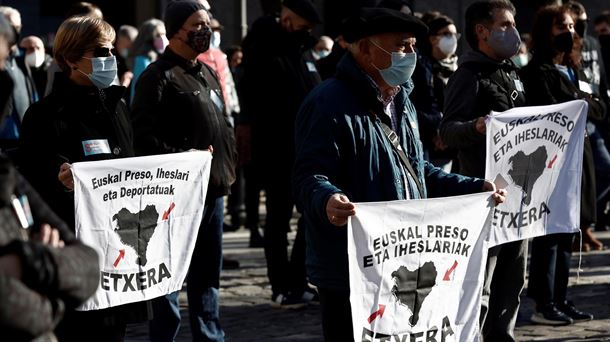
(199, 41)
(581, 28)
(563, 42)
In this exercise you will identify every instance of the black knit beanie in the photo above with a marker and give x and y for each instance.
(177, 12)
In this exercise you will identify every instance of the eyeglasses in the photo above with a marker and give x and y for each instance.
(450, 34)
(101, 51)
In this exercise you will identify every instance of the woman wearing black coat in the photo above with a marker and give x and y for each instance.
(83, 119)
(553, 77)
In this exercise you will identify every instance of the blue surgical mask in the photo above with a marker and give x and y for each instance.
(401, 69)
(104, 71)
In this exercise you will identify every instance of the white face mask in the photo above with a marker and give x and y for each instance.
(215, 41)
(160, 43)
(447, 44)
(34, 59)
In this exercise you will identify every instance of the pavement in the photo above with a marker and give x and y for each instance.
(246, 314)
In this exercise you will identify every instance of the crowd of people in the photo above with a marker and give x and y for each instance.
(384, 111)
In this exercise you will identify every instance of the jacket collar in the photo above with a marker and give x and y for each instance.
(72, 92)
(176, 59)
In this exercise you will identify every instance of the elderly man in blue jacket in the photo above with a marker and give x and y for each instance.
(357, 140)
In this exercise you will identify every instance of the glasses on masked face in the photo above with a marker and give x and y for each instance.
(101, 51)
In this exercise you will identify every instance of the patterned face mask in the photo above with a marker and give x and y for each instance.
(199, 41)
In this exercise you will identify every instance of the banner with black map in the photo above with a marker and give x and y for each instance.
(536, 152)
(142, 216)
(416, 268)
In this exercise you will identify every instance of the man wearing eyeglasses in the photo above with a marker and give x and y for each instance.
(178, 106)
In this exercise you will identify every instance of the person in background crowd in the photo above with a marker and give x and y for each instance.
(323, 48)
(216, 33)
(602, 29)
(78, 9)
(551, 77)
(487, 80)
(279, 71)
(123, 46)
(36, 61)
(601, 25)
(84, 8)
(522, 57)
(246, 187)
(83, 107)
(217, 60)
(178, 106)
(328, 66)
(343, 149)
(436, 61)
(148, 46)
(588, 58)
(24, 90)
(43, 270)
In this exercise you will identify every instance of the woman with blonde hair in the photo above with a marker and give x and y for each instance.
(83, 119)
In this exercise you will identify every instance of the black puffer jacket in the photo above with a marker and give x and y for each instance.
(53, 279)
(178, 106)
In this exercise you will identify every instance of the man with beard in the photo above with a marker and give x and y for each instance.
(178, 106)
(279, 71)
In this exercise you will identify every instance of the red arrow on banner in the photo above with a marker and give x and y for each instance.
(166, 213)
(121, 256)
(379, 313)
(552, 161)
(450, 270)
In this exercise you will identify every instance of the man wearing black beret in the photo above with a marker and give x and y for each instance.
(357, 140)
(279, 71)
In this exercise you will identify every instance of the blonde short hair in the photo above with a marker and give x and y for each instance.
(77, 35)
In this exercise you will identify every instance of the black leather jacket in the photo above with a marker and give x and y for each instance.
(178, 106)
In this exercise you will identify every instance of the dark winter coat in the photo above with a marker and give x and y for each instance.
(278, 74)
(341, 148)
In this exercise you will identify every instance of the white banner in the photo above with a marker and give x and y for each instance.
(142, 216)
(416, 268)
(537, 153)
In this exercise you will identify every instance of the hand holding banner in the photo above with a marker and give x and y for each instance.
(142, 216)
(538, 151)
(416, 268)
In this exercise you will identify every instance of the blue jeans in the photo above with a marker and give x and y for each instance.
(202, 283)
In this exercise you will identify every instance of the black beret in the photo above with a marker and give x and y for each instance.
(304, 9)
(371, 21)
(177, 12)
